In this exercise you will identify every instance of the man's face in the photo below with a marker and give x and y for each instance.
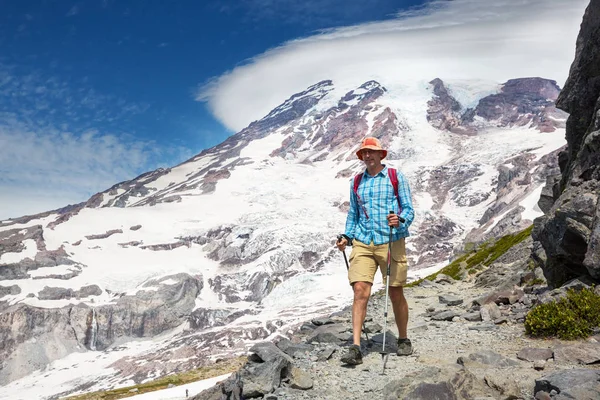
(371, 157)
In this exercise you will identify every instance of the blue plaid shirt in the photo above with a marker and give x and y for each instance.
(378, 199)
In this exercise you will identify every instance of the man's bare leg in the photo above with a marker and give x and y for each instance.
(400, 306)
(362, 291)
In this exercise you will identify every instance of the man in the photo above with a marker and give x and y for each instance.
(367, 231)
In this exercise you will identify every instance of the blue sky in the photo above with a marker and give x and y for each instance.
(98, 91)
(120, 77)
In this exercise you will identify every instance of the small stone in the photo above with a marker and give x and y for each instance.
(541, 395)
(326, 354)
(134, 390)
(170, 385)
(430, 309)
(539, 365)
(500, 321)
(321, 321)
(472, 316)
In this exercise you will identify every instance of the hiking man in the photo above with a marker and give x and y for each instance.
(367, 231)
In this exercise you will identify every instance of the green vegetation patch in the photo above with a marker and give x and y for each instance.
(572, 317)
(485, 254)
(163, 383)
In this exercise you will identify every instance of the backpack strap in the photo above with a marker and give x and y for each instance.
(357, 180)
(393, 175)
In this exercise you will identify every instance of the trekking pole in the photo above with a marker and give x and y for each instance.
(384, 354)
(347, 269)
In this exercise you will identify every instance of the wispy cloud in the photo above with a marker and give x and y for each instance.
(306, 13)
(73, 11)
(462, 39)
(61, 143)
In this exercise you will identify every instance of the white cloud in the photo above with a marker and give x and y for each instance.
(50, 168)
(73, 11)
(58, 145)
(462, 39)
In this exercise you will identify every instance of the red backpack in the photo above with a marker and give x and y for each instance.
(392, 174)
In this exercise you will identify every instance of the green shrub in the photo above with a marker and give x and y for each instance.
(572, 317)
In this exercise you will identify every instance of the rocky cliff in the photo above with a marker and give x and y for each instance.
(570, 230)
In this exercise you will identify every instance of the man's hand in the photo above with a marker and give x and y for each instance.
(393, 220)
(341, 243)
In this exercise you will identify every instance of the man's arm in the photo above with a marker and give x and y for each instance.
(404, 195)
(352, 217)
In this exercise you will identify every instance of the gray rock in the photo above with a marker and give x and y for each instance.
(266, 368)
(539, 365)
(427, 283)
(326, 354)
(584, 353)
(451, 300)
(9, 290)
(541, 395)
(449, 382)
(328, 334)
(321, 321)
(506, 385)
(104, 235)
(300, 379)
(55, 293)
(580, 384)
(483, 327)
(294, 349)
(445, 315)
(372, 327)
(418, 327)
(534, 354)
(487, 357)
(490, 312)
(472, 316)
(443, 278)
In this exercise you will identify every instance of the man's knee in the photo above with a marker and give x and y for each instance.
(362, 291)
(397, 294)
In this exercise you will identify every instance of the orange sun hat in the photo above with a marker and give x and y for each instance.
(372, 144)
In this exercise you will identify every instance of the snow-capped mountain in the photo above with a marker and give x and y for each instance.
(237, 243)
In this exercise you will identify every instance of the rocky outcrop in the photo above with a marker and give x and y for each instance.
(58, 293)
(42, 259)
(104, 235)
(32, 337)
(444, 111)
(570, 230)
(520, 102)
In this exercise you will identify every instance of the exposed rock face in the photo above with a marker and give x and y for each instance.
(520, 102)
(58, 293)
(444, 111)
(160, 305)
(570, 230)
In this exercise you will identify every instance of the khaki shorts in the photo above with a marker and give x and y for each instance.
(364, 260)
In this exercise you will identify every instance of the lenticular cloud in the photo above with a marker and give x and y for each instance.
(491, 40)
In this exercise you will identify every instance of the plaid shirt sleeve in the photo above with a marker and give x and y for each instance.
(352, 217)
(408, 213)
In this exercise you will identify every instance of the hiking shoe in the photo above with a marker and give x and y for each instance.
(353, 356)
(404, 347)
